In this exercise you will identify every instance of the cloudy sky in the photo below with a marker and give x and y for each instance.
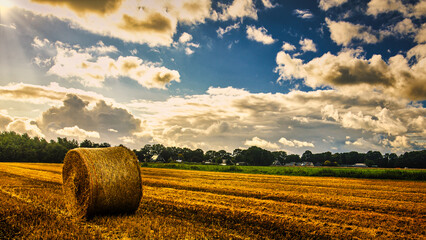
(327, 75)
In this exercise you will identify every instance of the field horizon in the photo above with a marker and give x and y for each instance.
(321, 171)
(186, 204)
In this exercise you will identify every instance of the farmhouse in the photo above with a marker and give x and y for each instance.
(291, 164)
(359, 165)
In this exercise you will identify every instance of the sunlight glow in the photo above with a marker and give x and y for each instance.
(5, 4)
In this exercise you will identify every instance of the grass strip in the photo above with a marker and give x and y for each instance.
(367, 173)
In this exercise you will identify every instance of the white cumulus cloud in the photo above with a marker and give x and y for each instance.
(268, 4)
(24, 125)
(91, 66)
(307, 45)
(185, 37)
(421, 35)
(405, 27)
(295, 143)
(258, 142)
(220, 31)
(78, 133)
(238, 9)
(259, 35)
(288, 47)
(344, 33)
(407, 9)
(350, 70)
(303, 13)
(327, 4)
(376, 7)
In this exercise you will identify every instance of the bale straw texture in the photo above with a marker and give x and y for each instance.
(101, 181)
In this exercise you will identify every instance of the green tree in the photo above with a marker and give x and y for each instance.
(391, 159)
(157, 149)
(307, 156)
(292, 158)
(369, 162)
(55, 152)
(329, 163)
(336, 158)
(166, 154)
(68, 144)
(87, 144)
(236, 152)
(104, 145)
(256, 156)
(414, 159)
(197, 155)
(145, 153)
(210, 155)
(280, 156)
(376, 158)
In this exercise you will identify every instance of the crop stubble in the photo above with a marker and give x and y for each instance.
(192, 204)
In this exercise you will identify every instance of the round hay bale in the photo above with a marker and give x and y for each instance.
(101, 181)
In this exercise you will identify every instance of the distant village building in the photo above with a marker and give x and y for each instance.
(359, 165)
(301, 164)
(225, 162)
(290, 164)
(276, 163)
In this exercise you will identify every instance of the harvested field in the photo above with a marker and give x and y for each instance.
(182, 204)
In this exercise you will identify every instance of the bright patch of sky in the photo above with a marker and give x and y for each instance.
(328, 75)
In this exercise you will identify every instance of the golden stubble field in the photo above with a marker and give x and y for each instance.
(179, 204)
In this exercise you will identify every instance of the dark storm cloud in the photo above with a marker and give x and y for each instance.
(100, 118)
(358, 73)
(155, 22)
(4, 121)
(83, 6)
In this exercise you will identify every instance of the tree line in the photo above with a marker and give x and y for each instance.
(15, 147)
(257, 156)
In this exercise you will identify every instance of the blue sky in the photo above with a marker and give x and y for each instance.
(327, 75)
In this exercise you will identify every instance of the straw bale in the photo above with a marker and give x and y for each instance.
(101, 181)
